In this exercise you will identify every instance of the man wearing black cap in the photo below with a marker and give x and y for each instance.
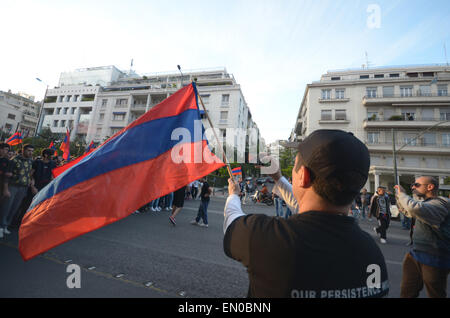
(322, 251)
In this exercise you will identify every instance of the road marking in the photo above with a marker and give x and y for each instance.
(98, 273)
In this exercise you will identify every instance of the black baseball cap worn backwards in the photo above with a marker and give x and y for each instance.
(328, 152)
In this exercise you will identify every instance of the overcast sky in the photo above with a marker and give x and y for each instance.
(273, 48)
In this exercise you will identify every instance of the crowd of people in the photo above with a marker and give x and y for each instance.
(174, 202)
(21, 177)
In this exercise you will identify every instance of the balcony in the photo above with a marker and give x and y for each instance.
(30, 119)
(333, 100)
(399, 99)
(417, 147)
(140, 108)
(397, 121)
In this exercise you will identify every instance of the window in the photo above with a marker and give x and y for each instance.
(75, 98)
(425, 90)
(408, 114)
(101, 117)
(412, 74)
(442, 90)
(427, 114)
(105, 102)
(98, 132)
(446, 139)
(373, 137)
(410, 139)
(428, 74)
(326, 93)
(337, 78)
(205, 99)
(429, 139)
(72, 111)
(118, 117)
(11, 116)
(225, 99)
(372, 115)
(8, 127)
(371, 92)
(65, 110)
(379, 75)
(121, 102)
(340, 93)
(363, 76)
(394, 75)
(60, 99)
(63, 123)
(55, 123)
(444, 114)
(406, 91)
(223, 115)
(388, 91)
(68, 98)
(326, 114)
(58, 111)
(70, 124)
(340, 114)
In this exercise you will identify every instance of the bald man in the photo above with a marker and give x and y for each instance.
(428, 262)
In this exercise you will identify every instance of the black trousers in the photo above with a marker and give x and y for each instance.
(383, 226)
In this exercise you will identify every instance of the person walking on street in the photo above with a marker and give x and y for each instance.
(365, 202)
(178, 202)
(323, 252)
(205, 195)
(380, 208)
(428, 261)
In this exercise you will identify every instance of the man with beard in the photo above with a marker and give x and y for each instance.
(428, 262)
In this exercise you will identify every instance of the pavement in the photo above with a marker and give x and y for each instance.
(143, 255)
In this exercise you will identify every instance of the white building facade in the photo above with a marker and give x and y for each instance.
(409, 103)
(18, 112)
(96, 111)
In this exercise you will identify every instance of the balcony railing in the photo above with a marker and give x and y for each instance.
(401, 118)
(406, 95)
(416, 143)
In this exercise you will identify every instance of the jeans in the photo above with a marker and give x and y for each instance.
(203, 212)
(416, 274)
(167, 201)
(155, 203)
(279, 206)
(363, 211)
(288, 212)
(11, 205)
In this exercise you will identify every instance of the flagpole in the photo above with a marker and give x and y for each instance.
(217, 138)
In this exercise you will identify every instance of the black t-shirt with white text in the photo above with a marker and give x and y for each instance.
(310, 255)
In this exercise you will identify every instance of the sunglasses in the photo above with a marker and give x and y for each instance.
(418, 184)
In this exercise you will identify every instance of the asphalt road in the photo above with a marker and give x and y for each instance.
(182, 261)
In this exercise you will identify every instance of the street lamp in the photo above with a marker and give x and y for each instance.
(394, 151)
(38, 128)
(179, 68)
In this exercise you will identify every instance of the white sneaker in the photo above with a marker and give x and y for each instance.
(375, 230)
(158, 209)
(194, 222)
(153, 209)
(5, 230)
(167, 209)
(383, 241)
(203, 225)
